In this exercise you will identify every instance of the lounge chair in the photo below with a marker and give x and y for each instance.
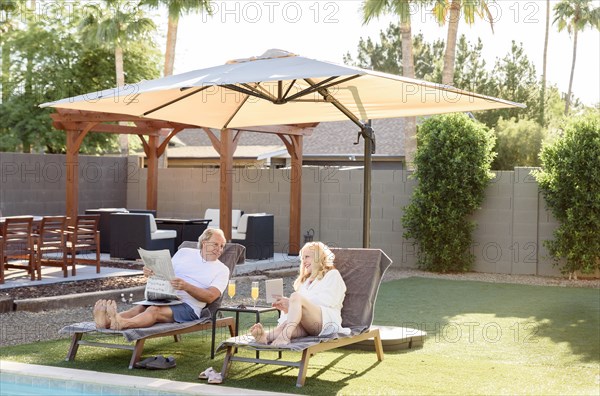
(362, 270)
(232, 255)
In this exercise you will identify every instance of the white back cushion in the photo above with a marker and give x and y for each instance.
(236, 214)
(214, 215)
(243, 224)
(153, 227)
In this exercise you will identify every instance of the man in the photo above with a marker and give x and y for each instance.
(200, 280)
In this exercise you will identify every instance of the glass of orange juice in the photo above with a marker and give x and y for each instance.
(254, 292)
(231, 288)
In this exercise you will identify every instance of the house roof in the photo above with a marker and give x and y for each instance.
(208, 152)
(328, 138)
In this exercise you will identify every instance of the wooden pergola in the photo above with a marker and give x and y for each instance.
(77, 124)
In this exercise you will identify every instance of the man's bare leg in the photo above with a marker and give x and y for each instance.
(133, 311)
(100, 317)
(146, 318)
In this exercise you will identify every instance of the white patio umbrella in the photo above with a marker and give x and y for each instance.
(282, 88)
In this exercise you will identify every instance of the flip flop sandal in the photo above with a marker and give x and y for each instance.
(205, 374)
(142, 364)
(215, 378)
(161, 363)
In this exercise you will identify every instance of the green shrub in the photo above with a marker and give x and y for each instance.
(453, 169)
(518, 143)
(570, 182)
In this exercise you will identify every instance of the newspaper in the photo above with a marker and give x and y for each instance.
(158, 287)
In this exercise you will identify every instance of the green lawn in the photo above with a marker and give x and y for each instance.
(483, 338)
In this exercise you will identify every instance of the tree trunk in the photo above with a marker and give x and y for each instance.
(171, 44)
(568, 101)
(543, 92)
(120, 73)
(408, 70)
(450, 54)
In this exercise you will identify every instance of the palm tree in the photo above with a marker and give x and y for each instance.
(177, 8)
(543, 91)
(446, 10)
(115, 27)
(575, 15)
(401, 8)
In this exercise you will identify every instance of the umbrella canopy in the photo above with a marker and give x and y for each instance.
(280, 88)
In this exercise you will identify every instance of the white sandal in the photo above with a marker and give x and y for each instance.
(215, 378)
(206, 373)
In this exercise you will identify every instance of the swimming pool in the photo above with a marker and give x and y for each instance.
(30, 379)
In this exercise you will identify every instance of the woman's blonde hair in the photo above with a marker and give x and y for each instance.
(322, 262)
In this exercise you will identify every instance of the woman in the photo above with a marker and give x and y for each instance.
(315, 307)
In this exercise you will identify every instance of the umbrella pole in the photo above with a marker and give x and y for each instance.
(369, 137)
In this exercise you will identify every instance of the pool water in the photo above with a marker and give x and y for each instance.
(12, 384)
(20, 389)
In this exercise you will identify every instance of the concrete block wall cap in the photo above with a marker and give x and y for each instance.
(74, 300)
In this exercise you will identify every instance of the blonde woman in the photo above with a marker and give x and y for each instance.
(315, 307)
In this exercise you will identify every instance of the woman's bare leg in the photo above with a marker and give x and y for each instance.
(304, 318)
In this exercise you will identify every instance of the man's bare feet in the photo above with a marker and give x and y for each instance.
(113, 316)
(259, 334)
(100, 318)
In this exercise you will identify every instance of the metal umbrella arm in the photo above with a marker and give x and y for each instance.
(369, 137)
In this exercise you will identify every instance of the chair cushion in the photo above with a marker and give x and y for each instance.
(214, 215)
(235, 234)
(242, 225)
(236, 214)
(153, 227)
(163, 234)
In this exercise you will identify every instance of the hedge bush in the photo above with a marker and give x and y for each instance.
(452, 163)
(570, 182)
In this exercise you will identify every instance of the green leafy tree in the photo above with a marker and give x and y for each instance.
(9, 22)
(575, 16)
(470, 72)
(176, 9)
(116, 26)
(513, 78)
(386, 55)
(570, 182)
(518, 143)
(54, 63)
(453, 169)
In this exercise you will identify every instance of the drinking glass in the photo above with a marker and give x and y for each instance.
(231, 288)
(254, 292)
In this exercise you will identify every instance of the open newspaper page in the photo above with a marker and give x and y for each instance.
(158, 288)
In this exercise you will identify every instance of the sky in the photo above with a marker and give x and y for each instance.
(326, 30)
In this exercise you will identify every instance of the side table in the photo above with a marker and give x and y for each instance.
(255, 310)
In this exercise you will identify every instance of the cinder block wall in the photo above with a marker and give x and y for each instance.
(34, 184)
(512, 223)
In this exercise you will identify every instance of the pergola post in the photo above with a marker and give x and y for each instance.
(295, 196)
(293, 143)
(72, 166)
(152, 181)
(226, 181)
